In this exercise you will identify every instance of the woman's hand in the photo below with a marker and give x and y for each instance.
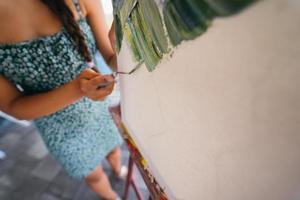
(90, 82)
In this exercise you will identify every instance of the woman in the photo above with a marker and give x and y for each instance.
(46, 47)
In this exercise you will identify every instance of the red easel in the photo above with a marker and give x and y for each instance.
(136, 159)
(130, 181)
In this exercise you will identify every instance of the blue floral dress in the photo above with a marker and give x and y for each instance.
(80, 135)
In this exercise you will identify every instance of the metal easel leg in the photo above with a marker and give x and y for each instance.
(130, 181)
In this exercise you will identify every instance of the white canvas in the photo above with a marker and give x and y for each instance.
(220, 119)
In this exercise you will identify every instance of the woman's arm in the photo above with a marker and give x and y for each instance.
(96, 19)
(14, 103)
(112, 39)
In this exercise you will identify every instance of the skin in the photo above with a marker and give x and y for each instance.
(38, 21)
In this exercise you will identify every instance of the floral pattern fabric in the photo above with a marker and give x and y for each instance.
(80, 135)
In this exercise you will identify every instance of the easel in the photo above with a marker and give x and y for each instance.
(130, 181)
(136, 159)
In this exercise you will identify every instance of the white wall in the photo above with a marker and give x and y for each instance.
(220, 120)
(108, 10)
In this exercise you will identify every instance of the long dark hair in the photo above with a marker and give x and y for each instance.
(60, 8)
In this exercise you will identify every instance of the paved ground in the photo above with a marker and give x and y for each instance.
(29, 172)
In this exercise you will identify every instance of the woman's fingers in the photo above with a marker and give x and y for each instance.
(109, 78)
(88, 74)
(102, 82)
(94, 85)
(92, 90)
(96, 81)
(101, 94)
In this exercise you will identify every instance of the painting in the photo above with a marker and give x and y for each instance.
(153, 33)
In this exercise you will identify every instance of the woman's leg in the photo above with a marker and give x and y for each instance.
(114, 159)
(99, 183)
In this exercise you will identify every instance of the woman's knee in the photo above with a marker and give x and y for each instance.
(95, 176)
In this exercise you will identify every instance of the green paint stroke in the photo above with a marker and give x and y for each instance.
(154, 23)
(187, 19)
(140, 33)
(118, 33)
(126, 9)
(122, 9)
(143, 28)
(141, 23)
(228, 7)
(131, 36)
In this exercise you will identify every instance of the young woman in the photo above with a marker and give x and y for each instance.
(45, 50)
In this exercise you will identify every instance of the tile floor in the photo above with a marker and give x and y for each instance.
(29, 172)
